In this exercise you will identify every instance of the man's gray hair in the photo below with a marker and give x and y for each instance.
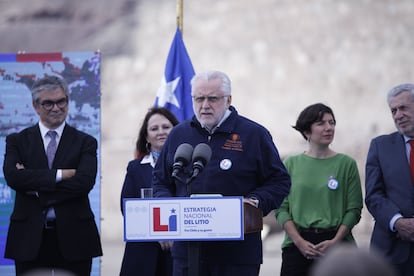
(212, 75)
(409, 87)
(48, 83)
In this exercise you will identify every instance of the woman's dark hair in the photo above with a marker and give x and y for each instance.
(142, 147)
(311, 114)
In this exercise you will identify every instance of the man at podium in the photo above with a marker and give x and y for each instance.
(243, 161)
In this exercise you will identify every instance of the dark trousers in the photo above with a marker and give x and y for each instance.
(146, 258)
(406, 268)
(180, 268)
(293, 262)
(51, 262)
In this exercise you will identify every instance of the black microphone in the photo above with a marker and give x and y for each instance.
(201, 156)
(182, 157)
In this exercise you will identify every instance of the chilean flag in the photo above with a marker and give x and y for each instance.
(175, 90)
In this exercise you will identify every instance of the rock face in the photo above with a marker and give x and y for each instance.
(281, 55)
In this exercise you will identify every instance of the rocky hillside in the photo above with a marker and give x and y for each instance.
(282, 55)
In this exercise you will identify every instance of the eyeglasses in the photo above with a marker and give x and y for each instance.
(48, 105)
(210, 99)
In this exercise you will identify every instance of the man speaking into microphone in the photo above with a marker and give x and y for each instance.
(243, 162)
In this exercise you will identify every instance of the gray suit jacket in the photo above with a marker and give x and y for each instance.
(389, 190)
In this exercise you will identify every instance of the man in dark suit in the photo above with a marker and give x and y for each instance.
(389, 184)
(52, 226)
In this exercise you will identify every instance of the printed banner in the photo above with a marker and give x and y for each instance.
(155, 219)
(18, 72)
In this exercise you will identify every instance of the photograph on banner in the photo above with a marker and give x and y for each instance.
(18, 72)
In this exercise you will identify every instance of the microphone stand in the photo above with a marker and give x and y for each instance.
(193, 247)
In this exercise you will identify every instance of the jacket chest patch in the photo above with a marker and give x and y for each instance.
(233, 143)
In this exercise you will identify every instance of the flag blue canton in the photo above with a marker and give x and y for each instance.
(175, 90)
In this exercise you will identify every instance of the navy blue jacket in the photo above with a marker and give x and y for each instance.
(142, 258)
(244, 162)
(138, 176)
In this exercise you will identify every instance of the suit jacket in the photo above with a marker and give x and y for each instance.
(389, 190)
(142, 258)
(77, 232)
(138, 176)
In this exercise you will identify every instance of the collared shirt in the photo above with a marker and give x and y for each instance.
(225, 116)
(148, 159)
(46, 139)
(407, 147)
(407, 152)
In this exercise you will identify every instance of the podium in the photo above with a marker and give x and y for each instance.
(189, 219)
(194, 219)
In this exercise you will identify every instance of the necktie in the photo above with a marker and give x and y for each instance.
(51, 147)
(50, 153)
(412, 159)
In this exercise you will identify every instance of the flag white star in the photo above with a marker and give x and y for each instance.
(166, 94)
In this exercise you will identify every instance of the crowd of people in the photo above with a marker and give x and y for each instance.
(317, 194)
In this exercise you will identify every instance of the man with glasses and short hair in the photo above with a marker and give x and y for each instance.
(244, 162)
(52, 168)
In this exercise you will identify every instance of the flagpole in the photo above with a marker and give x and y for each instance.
(193, 253)
(180, 15)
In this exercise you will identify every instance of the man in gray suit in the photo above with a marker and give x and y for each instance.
(52, 226)
(390, 186)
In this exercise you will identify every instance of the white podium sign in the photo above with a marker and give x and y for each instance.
(186, 219)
